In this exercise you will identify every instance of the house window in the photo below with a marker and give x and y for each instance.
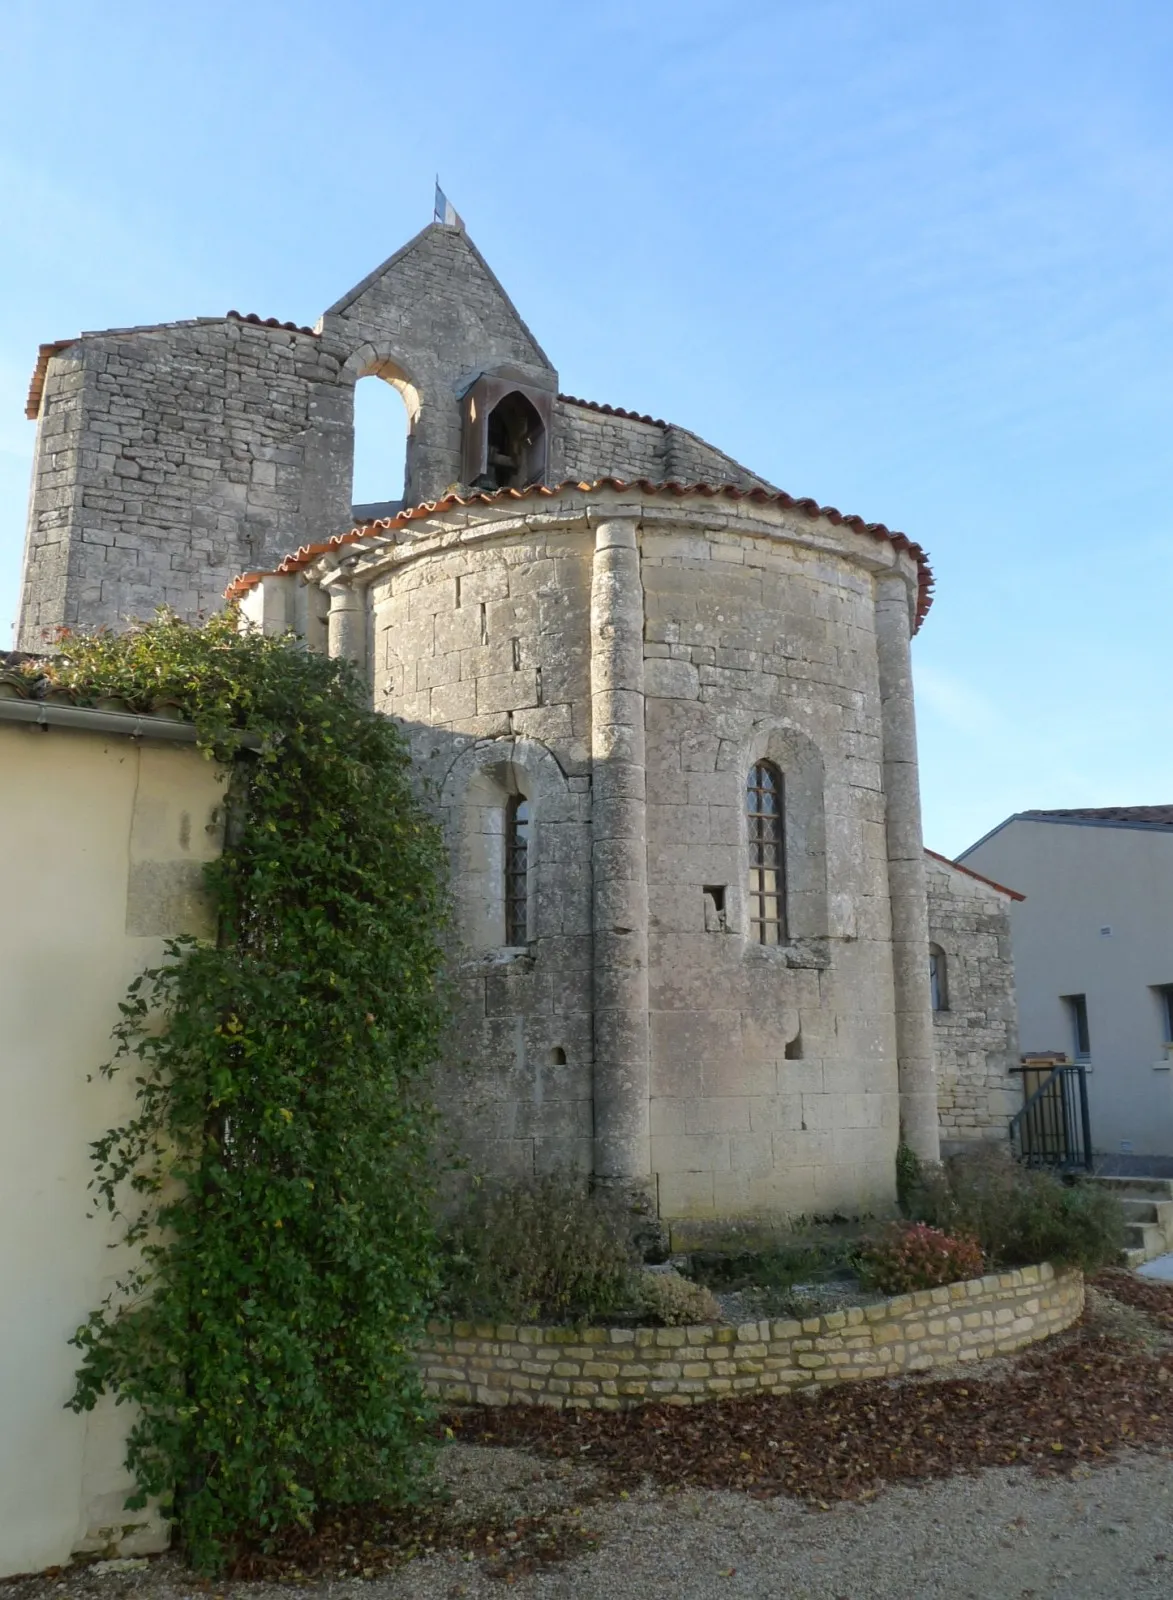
(938, 978)
(516, 869)
(1076, 1005)
(767, 881)
(1164, 994)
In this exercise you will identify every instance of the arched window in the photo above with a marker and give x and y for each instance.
(516, 869)
(767, 866)
(938, 978)
(506, 431)
(516, 443)
(381, 428)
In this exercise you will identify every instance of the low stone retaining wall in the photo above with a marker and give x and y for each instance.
(613, 1368)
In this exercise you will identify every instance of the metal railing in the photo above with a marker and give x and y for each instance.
(1053, 1129)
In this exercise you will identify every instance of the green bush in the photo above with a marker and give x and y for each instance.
(537, 1250)
(914, 1256)
(277, 1170)
(675, 1300)
(1020, 1215)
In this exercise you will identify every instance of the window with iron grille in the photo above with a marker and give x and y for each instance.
(516, 869)
(767, 868)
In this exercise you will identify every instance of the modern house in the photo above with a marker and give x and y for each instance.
(1093, 952)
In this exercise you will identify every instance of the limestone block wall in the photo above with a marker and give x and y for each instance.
(595, 442)
(619, 659)
(168, 460)
(483, 652)
(431, 319)
(976, 1031)
(774, 1080)
(172, 458)
(614, 1369)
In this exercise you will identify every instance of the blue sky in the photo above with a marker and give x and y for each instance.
(913, 259)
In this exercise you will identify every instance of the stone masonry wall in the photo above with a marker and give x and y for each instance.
(774, 1078)
(614, 1369)
(172, 458)
(976, 1034)
(482, 652)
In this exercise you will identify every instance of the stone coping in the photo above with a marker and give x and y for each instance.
(616, 1368)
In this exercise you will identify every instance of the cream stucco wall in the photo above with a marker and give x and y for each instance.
(104, 839)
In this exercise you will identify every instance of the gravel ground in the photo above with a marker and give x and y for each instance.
(996, 1535)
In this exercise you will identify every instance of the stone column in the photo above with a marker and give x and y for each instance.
(906, 874)
(619, 858)
(346, 622)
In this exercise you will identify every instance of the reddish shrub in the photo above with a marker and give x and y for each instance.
(915, 1256)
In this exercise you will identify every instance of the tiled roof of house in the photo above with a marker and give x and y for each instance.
(1120, 816)
(970, 873)
(23, 677)
(309, 553)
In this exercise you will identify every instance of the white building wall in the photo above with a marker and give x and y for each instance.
(104, 843)
(1080, 879)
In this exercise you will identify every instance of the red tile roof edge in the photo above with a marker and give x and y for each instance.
(613, 411)
(269, 322)
(45, 353)
(310, 552)
(970, 873)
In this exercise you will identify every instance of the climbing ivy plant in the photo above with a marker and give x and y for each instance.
(278, 1161)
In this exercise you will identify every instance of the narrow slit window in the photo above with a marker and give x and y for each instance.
(767, 882)
(1164, 993)
(938, 978)
(516, 870)
(1076, 1005)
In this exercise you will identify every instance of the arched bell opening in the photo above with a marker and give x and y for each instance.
(506, 433)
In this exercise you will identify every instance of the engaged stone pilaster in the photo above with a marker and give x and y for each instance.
(906, 874)
(346, 623)
(619, 857)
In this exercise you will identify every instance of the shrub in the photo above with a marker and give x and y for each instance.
(280, 1152)
(914, 1256)
(1021, 1215)
(543, 1249)
(675, 1300)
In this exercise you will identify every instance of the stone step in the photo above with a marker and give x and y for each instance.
(1142, 1188)
(1145, 1236)
(1132, 1258)
(1137, 1208)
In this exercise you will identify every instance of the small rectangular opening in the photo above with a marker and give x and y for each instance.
(1164, 994)
(1076, 1005)
(714, 894)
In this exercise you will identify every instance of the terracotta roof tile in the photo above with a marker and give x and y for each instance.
(46, 352)
(612, 411)
(309, 553)
(970, 873)
(270, 322)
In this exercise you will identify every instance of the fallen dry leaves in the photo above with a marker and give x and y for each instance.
(1075, 1401)
(1078, 1399)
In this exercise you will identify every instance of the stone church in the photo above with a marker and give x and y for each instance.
(663, 708)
